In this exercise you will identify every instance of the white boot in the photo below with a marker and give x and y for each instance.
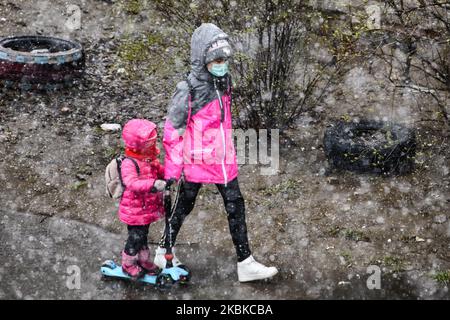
(249, 270)
(160, 260)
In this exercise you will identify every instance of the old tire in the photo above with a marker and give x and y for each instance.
(39, 62)
(370, 146)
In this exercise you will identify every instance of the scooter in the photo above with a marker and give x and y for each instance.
(168, 275)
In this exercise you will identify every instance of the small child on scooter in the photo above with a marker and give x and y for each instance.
(142, 200)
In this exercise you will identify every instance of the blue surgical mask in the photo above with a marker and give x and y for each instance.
(219, 69)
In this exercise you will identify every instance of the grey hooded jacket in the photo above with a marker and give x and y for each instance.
(201, 82)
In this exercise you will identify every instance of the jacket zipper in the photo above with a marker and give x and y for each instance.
(223, 135)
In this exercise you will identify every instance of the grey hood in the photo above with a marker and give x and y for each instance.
(202, 38)
(199, 78)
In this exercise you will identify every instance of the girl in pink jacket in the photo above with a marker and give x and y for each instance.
(142, 199)
(198, 142)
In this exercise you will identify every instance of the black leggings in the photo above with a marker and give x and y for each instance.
(137, 239)
(234, 206)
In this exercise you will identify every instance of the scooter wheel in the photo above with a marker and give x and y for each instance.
(163, 280)
(160, 281)
(185, 279)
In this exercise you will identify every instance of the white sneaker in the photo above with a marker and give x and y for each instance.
(160, 260)
(250, 270)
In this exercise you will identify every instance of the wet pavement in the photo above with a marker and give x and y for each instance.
(41, 258)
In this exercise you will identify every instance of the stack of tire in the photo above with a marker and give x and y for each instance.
(346, 151)
(40, 62)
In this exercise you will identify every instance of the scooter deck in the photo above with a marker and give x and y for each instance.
(111, 269)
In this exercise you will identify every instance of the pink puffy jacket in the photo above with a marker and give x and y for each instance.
(138, 205)
(198, 137)
(205, 152)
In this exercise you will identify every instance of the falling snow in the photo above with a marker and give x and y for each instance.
(322, 230)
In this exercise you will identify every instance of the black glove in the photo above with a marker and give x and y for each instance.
(170, 182)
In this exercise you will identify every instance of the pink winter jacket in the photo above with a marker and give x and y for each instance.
(138, 205)
(198, 137)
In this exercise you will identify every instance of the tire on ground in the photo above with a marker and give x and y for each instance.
(370, 146)
(40, 62)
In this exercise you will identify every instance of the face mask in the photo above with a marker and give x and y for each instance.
(219, 69)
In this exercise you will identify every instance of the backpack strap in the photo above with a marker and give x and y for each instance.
(119, 160)
(119, 167)
(191, 88)
(191, 94)
(135, 164)
(230, 91)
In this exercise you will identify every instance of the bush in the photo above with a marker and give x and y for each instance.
(276, 76)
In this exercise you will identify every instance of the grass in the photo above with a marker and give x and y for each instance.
(146, 55)
(349, 234)
(134, 51)
(407, 239)
(348, 259)
(286, 187)
(334, 232)
(142, 49)
(396, 264)
(133, 7)
(442, 277)
(347, 256)
(84, 169)
(356, 235)
(346, 118)
(283, 187)
(78, 185)
(98, 130)
(112, 152)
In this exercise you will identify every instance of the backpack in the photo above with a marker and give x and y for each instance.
(113, 177)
